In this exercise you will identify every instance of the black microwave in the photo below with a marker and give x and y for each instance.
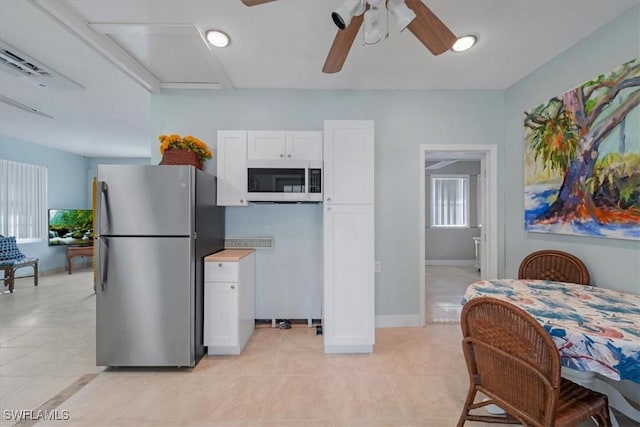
(284, 181)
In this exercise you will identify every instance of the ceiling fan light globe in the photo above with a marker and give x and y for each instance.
(401, 13)
(372, 37)
(372, 33)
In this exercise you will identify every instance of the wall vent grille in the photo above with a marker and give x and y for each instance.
(249, 243)
(20, 64)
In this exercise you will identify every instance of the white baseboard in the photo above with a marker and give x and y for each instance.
(398, 321)
(452, 262)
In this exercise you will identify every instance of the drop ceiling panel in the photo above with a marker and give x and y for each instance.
(173, 53)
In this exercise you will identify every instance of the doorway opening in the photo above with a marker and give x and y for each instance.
(447, 247)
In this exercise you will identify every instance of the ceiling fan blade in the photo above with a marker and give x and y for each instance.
(429, 29)
(255, 2)
(341, 46)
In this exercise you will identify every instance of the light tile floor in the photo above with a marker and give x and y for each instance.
(444, 288)
(415, 376)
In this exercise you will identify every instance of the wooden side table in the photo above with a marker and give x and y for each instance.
(74, 251)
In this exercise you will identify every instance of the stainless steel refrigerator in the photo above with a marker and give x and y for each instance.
(154, 226)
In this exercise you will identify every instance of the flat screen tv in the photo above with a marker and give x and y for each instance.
(70, 227)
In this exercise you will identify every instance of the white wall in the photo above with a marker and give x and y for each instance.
(403, 121)
(612, 263)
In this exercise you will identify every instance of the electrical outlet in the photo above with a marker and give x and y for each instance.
(377, 267)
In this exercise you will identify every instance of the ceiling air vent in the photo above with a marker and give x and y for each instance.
(24, 66)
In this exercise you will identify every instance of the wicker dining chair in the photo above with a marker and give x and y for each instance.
(513, 361)
(549, 264)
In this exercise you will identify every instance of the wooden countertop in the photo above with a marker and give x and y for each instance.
(229, 255)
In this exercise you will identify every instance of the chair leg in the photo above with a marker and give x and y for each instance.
(603, 418)
(35, 274)
(10, 276)
(471, 397)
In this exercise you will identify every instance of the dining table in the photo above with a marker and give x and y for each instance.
(596, 330)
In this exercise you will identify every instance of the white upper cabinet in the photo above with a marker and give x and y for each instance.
(232, 168)
(303, 145)
(348, 150)
(281, 145)
(265, 145)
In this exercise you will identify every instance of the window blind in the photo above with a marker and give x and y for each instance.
(449, 201)
(23, 201)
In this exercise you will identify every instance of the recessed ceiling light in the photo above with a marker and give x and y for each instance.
(464, 43)
(217, 38)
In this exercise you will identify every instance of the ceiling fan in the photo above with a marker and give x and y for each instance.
(411, 14)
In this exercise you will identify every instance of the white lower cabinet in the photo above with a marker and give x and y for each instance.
(348, 300)
(229, 300)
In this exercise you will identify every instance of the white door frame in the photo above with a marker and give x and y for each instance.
(489, 214)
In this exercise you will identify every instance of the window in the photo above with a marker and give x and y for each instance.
(23, 201)
(450, 201)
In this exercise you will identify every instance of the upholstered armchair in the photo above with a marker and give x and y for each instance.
(12, 259)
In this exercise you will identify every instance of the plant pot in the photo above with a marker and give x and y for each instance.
(181, 157)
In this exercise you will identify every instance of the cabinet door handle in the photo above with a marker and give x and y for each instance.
(281, 155)
(233, 286)
(241, 200)
(289, 155)
(219, 264)
(328, 199)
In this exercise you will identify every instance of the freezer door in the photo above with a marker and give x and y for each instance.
(145, 200)
(145, 303)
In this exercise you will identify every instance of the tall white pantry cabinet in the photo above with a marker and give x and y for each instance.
(348, 228)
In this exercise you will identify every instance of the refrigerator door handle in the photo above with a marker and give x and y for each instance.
(102, 193)
(103, 261)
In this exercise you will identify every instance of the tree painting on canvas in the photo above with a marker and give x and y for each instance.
(582, 159)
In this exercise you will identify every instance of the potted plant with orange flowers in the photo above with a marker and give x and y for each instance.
(188, 150)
